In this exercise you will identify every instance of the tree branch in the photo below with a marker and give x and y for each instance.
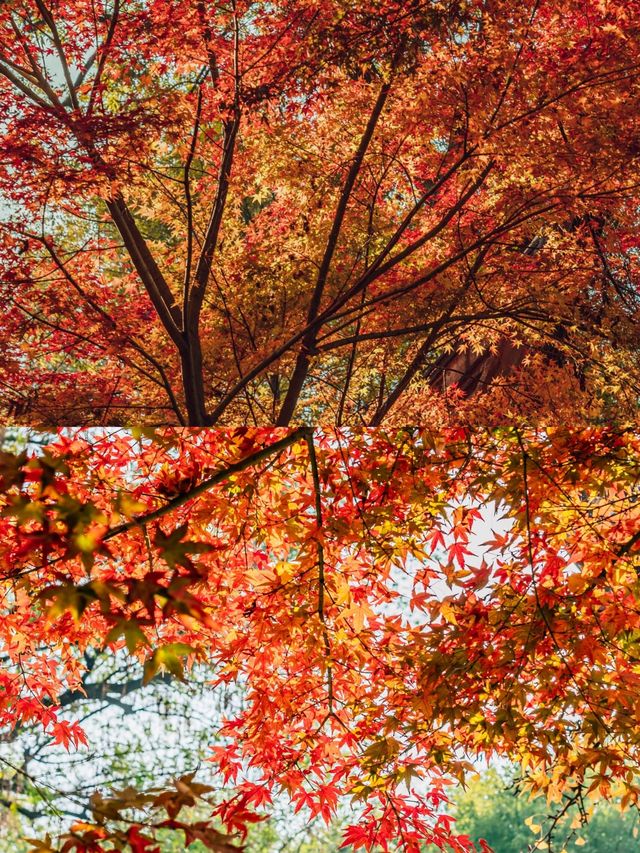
(321, 564)
(235, 468)
(301, 367)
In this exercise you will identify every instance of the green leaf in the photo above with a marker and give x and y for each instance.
(169, 659)
(134, 636)
(174, 551)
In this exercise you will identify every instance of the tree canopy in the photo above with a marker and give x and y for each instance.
(273, 235)
(339, 212)
(394, 606)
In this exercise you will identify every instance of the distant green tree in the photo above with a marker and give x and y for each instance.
(492, 808)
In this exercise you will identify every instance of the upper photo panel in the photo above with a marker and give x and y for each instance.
(319, 211)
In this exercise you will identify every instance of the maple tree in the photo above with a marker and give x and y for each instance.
(253, 212)
(394, 605)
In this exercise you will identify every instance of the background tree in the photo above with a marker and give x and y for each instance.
(495, 809)
(295, 211)
(137, 735)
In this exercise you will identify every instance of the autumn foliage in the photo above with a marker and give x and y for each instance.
(336, 211)
(274, 236)
(394, 605)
